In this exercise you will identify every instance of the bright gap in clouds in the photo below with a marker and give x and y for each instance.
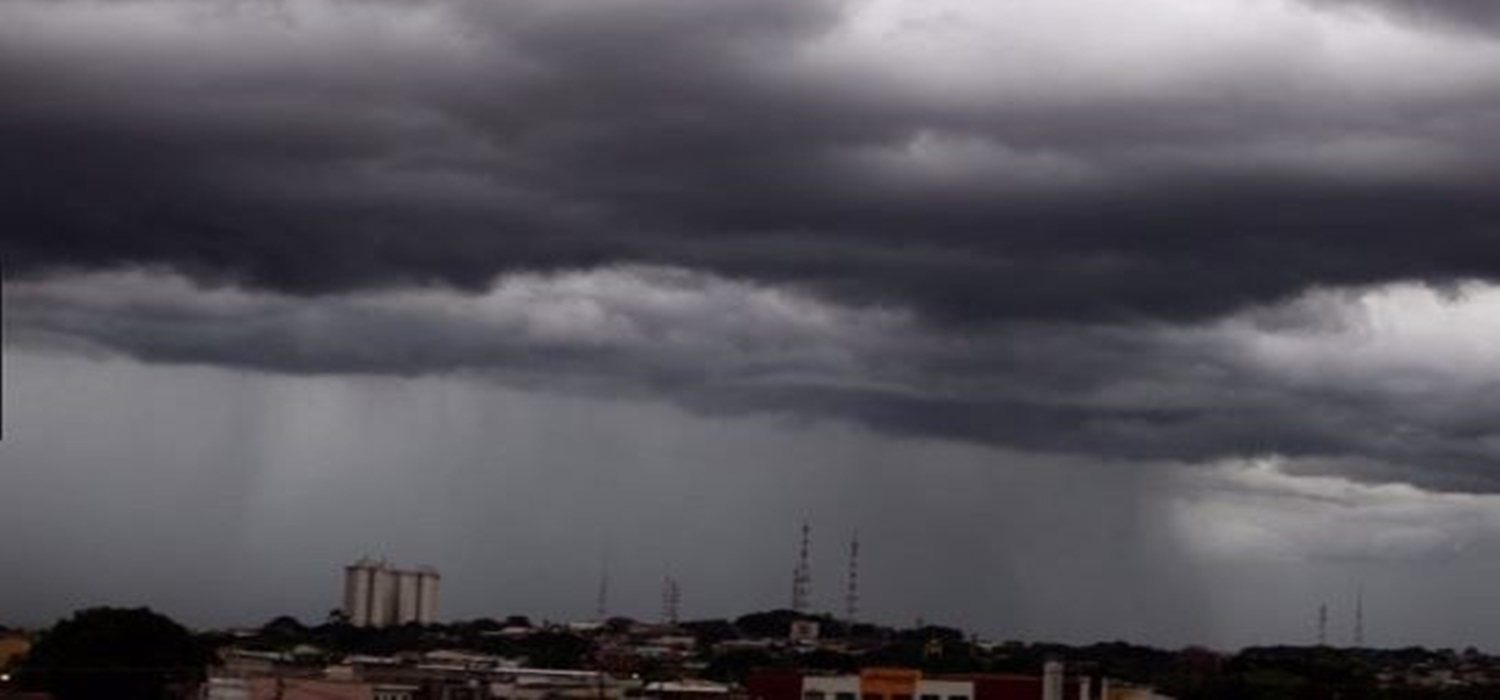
(1276, 546)
(1402, 331)
(1258, 510)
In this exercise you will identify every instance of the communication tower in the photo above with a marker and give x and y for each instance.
(671, 600)
(851, 593)
(1359, 618)
(802, 573)
(1323, 625)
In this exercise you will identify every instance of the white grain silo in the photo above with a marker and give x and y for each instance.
(408, 596)
(428, 579)
(377, 594)
(358, 581)
(383, 596)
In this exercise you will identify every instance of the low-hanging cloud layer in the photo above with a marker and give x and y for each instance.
(1162, 230)
(1392, 384)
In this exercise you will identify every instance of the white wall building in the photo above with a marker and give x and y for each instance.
(549, 684)
(830, 687)
(408, 598)
(427, 594)
(377, 594)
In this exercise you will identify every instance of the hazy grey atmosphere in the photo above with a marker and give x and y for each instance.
(1166, 321)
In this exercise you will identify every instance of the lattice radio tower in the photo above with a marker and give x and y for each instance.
(1323, 625)
(851, 593)
(1359, 618)
(671, 599)
(802, 573)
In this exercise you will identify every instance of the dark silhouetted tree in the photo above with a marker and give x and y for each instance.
(123, 654)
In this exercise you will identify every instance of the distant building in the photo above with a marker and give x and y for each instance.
(277, 688)
(804, 631)
(294, 688)
(377, 594)
(549, 684)
(13, 646)
(685, 690)
(434, 675)
(910, 684)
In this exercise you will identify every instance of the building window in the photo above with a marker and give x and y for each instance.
(958, 697)
(872, 696)
(844, 696)
(900, 696)
(814, 695)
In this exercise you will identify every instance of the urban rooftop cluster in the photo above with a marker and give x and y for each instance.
(386, 643)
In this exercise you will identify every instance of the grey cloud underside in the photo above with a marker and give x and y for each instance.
(1470, 15)
(526, 136)
(1107, 391)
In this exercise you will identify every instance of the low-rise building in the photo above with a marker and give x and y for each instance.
(688, 689)
(436, 675)
(911, 684)
(552, 684)
(13, 646)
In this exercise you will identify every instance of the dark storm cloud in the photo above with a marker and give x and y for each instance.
(982, 221)
(1318, 382)
(1473, 15)
(324, 147)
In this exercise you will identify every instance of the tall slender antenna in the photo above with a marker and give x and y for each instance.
(851, 594)
(671, 600)
(1323, 624)
(802, 574)
(1359, 617)
(601, 604)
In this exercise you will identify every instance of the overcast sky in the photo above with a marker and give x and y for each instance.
(1165, 321)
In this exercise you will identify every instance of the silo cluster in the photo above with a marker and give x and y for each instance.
(377, 594)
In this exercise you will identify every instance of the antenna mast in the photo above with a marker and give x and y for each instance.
(1359, 617)
(601, 604)
(671, 600)
(802, 574)
(1323, 624)
(851, 594)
